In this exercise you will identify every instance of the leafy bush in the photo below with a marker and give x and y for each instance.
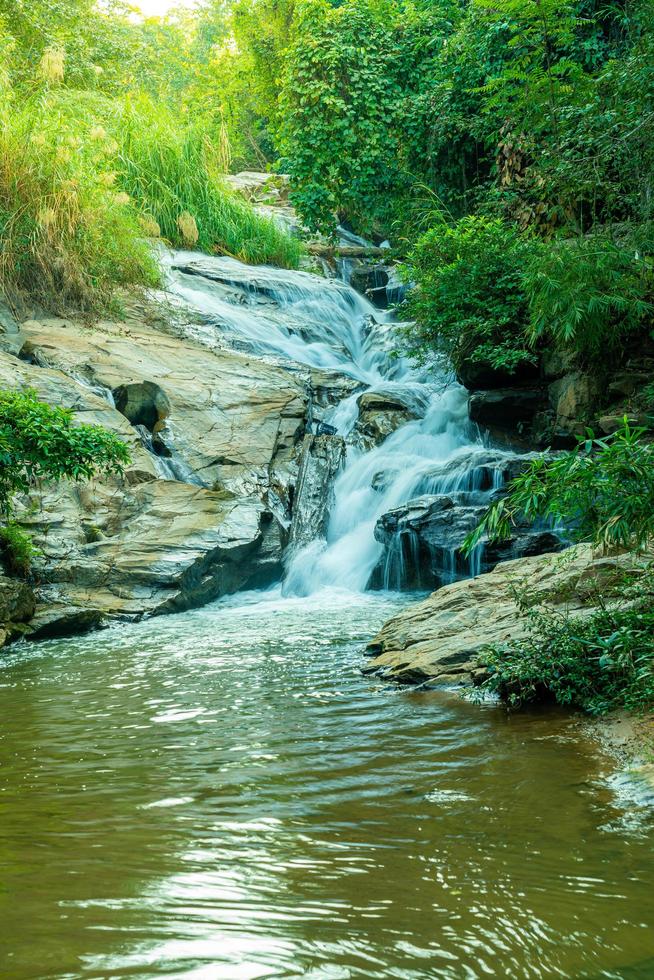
(39, 442)
(469, 297)
(338, 106)
(600, 663)
(603, 491)
(587, 293)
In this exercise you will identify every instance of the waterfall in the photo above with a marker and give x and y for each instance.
(324, 324)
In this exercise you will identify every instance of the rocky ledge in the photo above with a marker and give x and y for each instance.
(216, 439)
(443, 639)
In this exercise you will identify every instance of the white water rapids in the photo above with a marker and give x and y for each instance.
(324, 324)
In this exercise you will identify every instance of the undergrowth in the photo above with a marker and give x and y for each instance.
(16, 550)
(599, 663)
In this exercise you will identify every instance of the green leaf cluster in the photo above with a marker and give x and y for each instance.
(469, 297)
(40, 442)
(598, 663)
(603, 491)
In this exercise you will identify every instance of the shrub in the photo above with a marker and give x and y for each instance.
(469, 297)
(603, 662)
(39, 442)
(588, 293)
(603, 491)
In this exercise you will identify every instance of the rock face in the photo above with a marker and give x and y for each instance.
(422, 538)
(322, 458)
(443, 639)
(213, 437)
(574, 398)
(507, 413)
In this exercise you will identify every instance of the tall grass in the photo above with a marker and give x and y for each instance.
(171, 172)
(85, 179)
(68, 238)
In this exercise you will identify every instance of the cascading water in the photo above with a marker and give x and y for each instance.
(324, 324)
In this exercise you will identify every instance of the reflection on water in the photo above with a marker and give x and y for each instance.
(222, 794)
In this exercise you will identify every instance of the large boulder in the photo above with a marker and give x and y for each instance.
(443, 639)
(214, 441)
(382, 411)
(423, 538)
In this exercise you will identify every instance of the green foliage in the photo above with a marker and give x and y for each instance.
(598, 663)
(603, 491)
(67, 238)
(171, 173)
(589, 292)
(42, 443)
(469, 297)
(339, 97)
(16, 549)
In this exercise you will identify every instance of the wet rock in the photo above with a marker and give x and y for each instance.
(322, 458)
(53, 619)
(382, 412)
(507, 413)
(11, 339)
(422, 541)
(190, 521)
(423, 537)
(443, 639)
(366, 278)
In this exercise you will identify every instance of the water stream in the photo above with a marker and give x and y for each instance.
(222, 793)
(326, 325)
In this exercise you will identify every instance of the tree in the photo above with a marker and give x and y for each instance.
(338, 105)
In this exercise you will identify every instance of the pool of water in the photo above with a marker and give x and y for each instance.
(221, 793)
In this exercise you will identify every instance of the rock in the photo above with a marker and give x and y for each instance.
(11, 339)
(443, 638)
(554, 363)
(322, 458)
(191, 520)
(257, 186)
(17, 605)
(608, 424)
(508, 413)
(626, 384)
(365, 278)
(53, 620)
(574, 398)
(479, 375)
(384, 410)
(423, 538)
